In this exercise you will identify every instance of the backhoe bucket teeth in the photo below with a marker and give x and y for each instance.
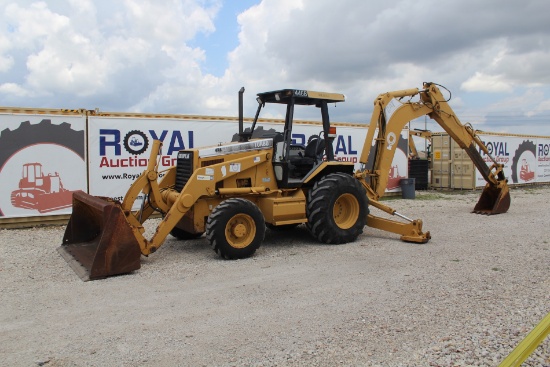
(98, 241)
(493, 200)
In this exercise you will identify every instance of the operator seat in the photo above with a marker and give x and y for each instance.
(311, 156)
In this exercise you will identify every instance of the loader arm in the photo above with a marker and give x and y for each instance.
(175, 204)
(105, 237)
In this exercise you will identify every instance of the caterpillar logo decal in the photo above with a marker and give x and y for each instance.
(184, 155)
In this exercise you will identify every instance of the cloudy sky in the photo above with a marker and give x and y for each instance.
(192, 56)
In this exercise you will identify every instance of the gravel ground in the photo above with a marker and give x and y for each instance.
(466, 298)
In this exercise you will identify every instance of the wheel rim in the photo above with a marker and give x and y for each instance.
(240, 231)
(345, 211)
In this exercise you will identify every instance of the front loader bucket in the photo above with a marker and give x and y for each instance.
(98, 241)
(493, 200)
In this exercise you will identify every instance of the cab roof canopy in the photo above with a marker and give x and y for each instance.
(301, 97)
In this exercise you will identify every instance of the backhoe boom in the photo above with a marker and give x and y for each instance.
(495, 197)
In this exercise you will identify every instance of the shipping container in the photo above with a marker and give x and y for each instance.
(441, 161)
(463, 172)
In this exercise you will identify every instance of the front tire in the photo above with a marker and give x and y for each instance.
(235, 228)
(337, 209)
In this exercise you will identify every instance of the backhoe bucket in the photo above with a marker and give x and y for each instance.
(98, 241)
(493, 200)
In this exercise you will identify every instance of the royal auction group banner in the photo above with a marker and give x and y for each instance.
(119, 147)
(45, 157)
(48, 154)
(525, 160)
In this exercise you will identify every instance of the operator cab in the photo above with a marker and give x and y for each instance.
(293, 162)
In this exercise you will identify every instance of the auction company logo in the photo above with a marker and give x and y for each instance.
(498, 150)
(136, 143)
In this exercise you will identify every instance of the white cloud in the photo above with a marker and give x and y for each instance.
(13, 89)
(253, 61)
(520, 102)
(33, 24)
(80, 50)
(6, 60)
(543, 107)
(143, 55)
(486, 83)
(168, 22)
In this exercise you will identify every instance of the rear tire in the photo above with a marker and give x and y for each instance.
(337, 209)
(235, 228)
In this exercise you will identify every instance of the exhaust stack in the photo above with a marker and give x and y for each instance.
(243, 136)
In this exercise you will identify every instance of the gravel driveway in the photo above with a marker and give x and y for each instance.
(466, 298)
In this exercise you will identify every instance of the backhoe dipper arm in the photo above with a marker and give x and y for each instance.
(464, 135)
(495, 198)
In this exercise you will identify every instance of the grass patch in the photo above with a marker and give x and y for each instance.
(531, 190)
(435, 196)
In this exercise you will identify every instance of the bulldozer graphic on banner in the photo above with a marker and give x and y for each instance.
(41, 192)
(394, 178)
(525, 173)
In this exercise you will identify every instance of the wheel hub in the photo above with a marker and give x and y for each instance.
(345, 211)
(239, 230)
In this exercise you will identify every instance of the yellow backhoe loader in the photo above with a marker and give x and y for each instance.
(233, 191)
